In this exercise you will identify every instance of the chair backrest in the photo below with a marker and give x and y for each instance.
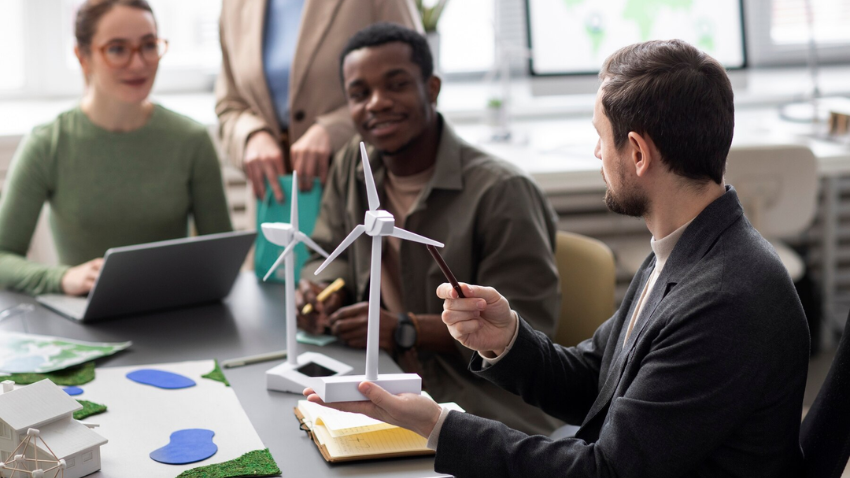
(777, 186)
(586, 268)
(825, 432)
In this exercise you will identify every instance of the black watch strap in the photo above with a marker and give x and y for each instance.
(406, 334)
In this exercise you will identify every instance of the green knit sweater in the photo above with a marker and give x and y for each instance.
(106, 189)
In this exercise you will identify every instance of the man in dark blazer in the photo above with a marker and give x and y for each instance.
(701, 371)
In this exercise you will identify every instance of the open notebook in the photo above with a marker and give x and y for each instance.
(343, 436)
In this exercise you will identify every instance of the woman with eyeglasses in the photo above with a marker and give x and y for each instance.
(116, 170)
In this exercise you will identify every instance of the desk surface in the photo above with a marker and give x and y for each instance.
(249, 321)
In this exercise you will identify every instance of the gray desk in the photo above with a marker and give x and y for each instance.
(250, 321)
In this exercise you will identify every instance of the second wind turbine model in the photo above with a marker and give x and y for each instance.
(377, 223)
(299, 371)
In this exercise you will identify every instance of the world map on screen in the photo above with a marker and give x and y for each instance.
(575, 36)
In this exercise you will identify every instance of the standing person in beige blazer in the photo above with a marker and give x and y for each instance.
(290, 112)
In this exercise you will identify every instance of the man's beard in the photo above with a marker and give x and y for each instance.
(401, 149)
(629, 201)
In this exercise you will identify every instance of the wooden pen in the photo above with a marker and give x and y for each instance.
(445, 268)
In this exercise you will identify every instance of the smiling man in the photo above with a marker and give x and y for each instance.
(496, 224)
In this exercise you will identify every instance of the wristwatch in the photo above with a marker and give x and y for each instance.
(406, 333)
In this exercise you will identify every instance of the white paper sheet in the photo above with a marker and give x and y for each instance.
(140, 419)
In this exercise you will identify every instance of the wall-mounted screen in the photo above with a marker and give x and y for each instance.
(575, 36)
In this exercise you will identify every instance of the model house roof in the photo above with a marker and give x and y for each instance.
(67, 436)
(34, 405)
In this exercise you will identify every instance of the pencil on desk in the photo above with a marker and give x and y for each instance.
(323, 295)
(239, 362)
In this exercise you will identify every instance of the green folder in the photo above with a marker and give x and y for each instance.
(269, 210)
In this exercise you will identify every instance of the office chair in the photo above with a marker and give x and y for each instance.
(587, 274)
(825, 432)
(777, 186)
(586, 270)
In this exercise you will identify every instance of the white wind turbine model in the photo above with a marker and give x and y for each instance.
(299, 371)
(377, 223)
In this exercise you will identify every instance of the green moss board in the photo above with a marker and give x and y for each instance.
(89, 409)
(253, 463)
(217, 375)
(76, 375)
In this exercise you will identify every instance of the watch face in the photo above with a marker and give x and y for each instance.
(405, 335)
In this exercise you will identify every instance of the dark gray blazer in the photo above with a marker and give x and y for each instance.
(709, 384)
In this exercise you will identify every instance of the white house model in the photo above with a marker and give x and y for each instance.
(46, 408)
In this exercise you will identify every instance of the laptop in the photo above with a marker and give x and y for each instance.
(159, 275)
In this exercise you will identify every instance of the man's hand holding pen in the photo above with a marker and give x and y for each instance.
(317, 321)
(482, 321)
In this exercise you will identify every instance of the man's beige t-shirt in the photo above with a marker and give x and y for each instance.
(401, 194)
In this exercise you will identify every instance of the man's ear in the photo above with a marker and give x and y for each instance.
(642, 153)
(433, 86)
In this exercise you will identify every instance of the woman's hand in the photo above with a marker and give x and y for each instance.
(264, 160)
(311, 156)
(79, 280)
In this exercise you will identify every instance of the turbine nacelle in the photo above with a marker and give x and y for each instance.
(379, 223)
(278, 233)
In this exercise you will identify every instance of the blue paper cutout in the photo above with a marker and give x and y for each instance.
(186, 446)
(73, 391)
(161, 379)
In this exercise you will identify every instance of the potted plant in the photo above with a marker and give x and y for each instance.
(431, 11)
(496, 118)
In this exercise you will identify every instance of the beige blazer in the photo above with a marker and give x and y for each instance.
(243, 100)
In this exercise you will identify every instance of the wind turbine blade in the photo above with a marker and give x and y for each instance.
(312, 245)
(280, 258)
(293, 215)
(354, 234)
(371, 191)
(409, 236)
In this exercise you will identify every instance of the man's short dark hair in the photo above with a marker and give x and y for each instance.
(678, 96)
(382, 33)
